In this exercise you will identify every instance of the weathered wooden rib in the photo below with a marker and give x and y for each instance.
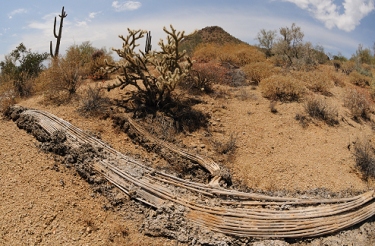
(222, 210)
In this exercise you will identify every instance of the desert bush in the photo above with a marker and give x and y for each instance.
(358, 79)
(235, 54)
(203, 75)
(338, 79)
(290, 51)
(227, 146)
(20, 67)
(206, 52)
(67, 72)
(7, 98)
(154, 74)
(358, 104)
(316, 81)
(93, 101)
(283, 88)
(319, 108)
(347, 67)
(258, 71)
(98, 64)
(365, 158)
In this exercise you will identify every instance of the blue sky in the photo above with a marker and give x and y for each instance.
(339, 26)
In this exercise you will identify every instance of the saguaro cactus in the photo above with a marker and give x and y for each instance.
(148, 45)
(58, 37)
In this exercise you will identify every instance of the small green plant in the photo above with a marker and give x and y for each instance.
(319, 108)
(154, 74)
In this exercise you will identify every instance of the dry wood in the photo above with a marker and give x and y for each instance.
(222, 210)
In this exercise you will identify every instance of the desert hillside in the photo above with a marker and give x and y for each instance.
(302, 129)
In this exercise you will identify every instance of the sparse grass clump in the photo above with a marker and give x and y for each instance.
(319, 108)
(93, 102)
(365, 158)
(358, 104)
(228, 146)
(282, 88)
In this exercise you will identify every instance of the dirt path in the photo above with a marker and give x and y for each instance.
(45, 203)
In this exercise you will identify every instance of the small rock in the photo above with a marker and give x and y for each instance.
(203, 146)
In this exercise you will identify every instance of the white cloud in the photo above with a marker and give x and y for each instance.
(81, 23)
(17, 11)
(124, 6)
(93, 14)
(329, 13)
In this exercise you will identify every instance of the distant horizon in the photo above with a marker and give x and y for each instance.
(338, 26)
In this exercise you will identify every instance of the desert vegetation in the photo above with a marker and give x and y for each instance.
(185, 90)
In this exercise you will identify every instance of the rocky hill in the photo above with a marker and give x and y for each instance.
(210, 34)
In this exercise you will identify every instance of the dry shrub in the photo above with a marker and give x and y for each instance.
(93, 102)
(258, 71)
(62, 79)
(206, 52)
(227, 146)
(283, 88)
(97, 65)
(316, 81)
(241, 54)
(358, 79)
(236, 54)
(365, 158)
(7, 98)
(319, 108)
(338, 79)
(358, 103)
(347, 67)
(203, 75)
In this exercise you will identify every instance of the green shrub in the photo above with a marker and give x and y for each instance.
(20, 67)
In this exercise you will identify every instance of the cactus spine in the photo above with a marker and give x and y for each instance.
(58, 37)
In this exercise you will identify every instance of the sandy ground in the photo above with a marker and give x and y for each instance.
(45, 203)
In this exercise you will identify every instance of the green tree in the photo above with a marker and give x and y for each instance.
(266, 40)
(363, 55)
(290, 45)
(20, 66)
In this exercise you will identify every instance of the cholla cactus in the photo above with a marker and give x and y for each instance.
(158, 71)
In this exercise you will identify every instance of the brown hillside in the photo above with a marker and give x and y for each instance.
(210, 34)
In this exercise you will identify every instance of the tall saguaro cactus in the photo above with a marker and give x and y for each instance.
(58, 37)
